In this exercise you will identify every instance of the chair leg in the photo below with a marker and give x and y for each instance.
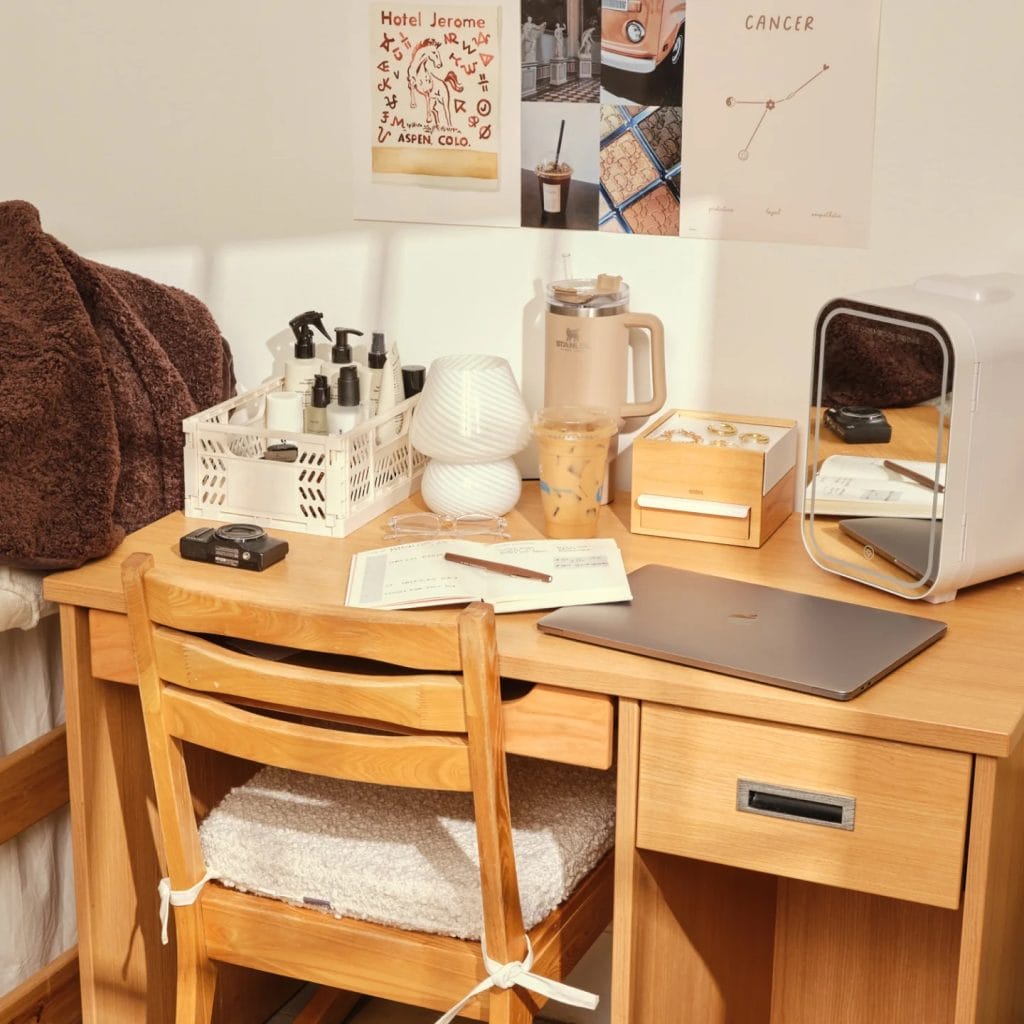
(512, 1006)
(328, 1006)
(196, 985)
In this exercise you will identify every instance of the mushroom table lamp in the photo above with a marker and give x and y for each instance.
(470, 421)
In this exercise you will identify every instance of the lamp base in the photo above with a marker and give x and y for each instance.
(481, 488)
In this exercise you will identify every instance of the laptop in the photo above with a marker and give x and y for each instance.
(907, 543)
(812, 644)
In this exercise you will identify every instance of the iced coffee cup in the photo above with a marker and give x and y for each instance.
(572, 452)
(553, 178)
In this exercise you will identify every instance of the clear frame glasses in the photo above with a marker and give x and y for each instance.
(435, 524)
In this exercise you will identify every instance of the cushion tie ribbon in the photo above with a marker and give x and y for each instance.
(177, 898)
(518, 973)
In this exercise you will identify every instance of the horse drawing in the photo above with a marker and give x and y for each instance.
(425, 79)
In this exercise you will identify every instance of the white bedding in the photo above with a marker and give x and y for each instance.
(36, 885)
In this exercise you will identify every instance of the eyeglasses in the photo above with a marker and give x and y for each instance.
(432, 524)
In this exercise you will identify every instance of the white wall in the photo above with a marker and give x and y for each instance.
(208, 144)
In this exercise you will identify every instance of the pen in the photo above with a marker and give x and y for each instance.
(910, 474)
(500, 567)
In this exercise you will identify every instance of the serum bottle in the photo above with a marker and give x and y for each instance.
(346, 413)
(315, 414)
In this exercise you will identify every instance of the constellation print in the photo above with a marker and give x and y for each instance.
(768, 105)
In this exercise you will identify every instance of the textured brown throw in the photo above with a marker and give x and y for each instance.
(98, 367)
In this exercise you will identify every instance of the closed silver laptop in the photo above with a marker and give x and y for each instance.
(813, 644)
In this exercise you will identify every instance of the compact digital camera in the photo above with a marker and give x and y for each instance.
(240, 545)
(859, 424)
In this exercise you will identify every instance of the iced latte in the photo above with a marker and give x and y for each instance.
(572, 451)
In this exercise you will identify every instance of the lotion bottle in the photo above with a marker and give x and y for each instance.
(346, 413)
(375, 360)
(315, 414)
(391, 393)
(341, 354)
(300, 370)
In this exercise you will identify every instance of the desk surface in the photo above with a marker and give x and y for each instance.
(964, 693)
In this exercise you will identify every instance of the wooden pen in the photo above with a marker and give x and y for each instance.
(912, 474)
(499, 567)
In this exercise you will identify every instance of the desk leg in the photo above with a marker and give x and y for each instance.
(991, 984)
(692, 942)
(124, 979)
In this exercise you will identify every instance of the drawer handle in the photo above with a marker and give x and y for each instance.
(795, 804)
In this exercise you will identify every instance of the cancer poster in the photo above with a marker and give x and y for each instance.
(778, 121)
(435, 83)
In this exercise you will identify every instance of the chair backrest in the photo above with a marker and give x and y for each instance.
(425, 683)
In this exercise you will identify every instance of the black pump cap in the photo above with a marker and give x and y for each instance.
(412, 379)
(302, 327)
(321, 392)
(378, 354)
(341, 351)
(348, 386)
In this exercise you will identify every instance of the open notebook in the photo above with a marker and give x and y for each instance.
(829, 648)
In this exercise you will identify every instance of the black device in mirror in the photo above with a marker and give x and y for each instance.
(877, 440)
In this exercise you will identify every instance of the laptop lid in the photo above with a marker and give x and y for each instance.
(813, 644)
(909, 544)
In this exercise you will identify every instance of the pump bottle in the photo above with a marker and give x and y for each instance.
(346, 413)
(300, 370)
(341, 354)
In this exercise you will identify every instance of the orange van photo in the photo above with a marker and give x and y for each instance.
(640, 35)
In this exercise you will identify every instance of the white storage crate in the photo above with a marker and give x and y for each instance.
(337, 483)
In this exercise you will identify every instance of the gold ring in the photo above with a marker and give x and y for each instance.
(721, 443)
(725, 429)
(754, 437)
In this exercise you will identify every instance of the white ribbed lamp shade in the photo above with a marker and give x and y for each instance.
(470, 410)
(471, 488)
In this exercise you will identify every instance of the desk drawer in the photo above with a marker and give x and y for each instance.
(569, 726)
(856, 813)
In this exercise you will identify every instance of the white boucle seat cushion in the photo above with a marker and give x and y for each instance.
(407, 857)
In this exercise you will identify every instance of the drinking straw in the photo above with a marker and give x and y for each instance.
(558, 148)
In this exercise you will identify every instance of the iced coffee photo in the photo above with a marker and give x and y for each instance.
(553, 179)
(572, 453)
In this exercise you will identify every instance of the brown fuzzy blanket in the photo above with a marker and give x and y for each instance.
(98, 367)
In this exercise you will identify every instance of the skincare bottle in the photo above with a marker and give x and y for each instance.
(412, 379)
(341, 354)
(346, 413)
(391, 393)
(300, 370)
(375, 360)
(315, 414)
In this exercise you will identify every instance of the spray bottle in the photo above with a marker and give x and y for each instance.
(300, 370)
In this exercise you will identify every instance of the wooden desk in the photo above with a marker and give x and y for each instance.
(915, 915)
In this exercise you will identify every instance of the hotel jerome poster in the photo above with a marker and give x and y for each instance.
(434, 107)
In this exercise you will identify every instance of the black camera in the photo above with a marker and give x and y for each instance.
(859, 424)
(240, 545)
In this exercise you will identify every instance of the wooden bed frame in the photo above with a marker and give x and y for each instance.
(33, 784)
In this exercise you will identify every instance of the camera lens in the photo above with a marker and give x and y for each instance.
(861, 412)
(240, 533)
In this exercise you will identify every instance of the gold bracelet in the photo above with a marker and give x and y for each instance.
(725, 429)
(683, 435)
(754, 437)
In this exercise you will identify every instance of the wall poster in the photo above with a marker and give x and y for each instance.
(435, 112)
(778, 124)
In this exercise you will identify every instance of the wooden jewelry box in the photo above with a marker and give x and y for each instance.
(713, 476)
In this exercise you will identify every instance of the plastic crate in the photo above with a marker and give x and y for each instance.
(338, 482)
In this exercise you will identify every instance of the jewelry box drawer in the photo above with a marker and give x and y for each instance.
(569, 726)
(869, 815)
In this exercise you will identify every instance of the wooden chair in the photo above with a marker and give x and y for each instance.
(422, 690)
